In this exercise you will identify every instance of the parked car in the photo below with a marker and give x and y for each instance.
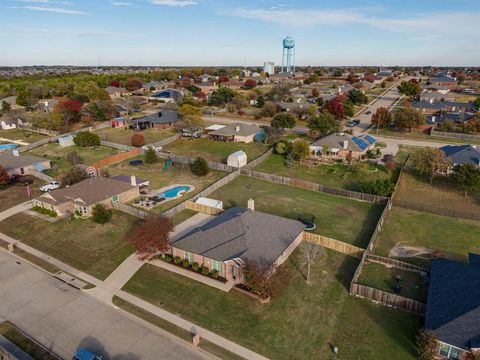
(353, 123)
(52, 185)
(368, 112)
(83, 354)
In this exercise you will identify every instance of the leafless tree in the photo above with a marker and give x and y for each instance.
(310, 254)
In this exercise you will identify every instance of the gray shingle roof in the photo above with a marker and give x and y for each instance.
(462, 154)
(162, 117)
(242, 233)
(231, 130)
(10, 162)
(453, 307)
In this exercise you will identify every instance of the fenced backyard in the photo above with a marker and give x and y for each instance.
(333, 244)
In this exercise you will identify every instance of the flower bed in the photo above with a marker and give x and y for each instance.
(194, 267)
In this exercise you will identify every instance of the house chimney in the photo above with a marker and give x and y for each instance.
(251, 204)
(345, 144)
(15, 153)
(133, 180)
(237, 128)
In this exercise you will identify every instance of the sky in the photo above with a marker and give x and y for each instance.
(230, 32)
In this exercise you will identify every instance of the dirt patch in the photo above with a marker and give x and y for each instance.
(405, 251)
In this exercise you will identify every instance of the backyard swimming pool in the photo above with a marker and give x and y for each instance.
(174, 192)
(7, 146)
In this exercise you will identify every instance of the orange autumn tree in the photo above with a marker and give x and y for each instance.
(151, 237)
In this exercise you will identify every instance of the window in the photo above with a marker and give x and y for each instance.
(449, 352)
(217, 265)
(189, 256)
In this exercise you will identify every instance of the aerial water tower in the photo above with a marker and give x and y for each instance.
(288, 57)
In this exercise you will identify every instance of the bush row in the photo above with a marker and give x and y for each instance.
(195, 265)
(42, 210)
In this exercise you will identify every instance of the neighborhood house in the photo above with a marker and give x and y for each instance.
(239, 236)
(238, 132)
(22, 165)
(82, 197)
(161, 120)
(341, 144)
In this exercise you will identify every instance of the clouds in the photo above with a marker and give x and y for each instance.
(174, 3)
(52, 9)
(118, 3)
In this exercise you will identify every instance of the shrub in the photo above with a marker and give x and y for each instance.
(377, 187)
(426, 345)
(86, 138)
(215, 274)
(73, 176)
(195, 266)
(168, 258)
(205, 271)
(137, 140)
(151, 156)
(42, 210)
(200, 167)
(100, 214)
(185, 263)
(177, 260)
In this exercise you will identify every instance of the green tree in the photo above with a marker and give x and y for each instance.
(324, 124)
(100, 214)
(477, 103)
(200, 167)
(6, 107)
(409, 88)
(357, 97)
(467, 177)
(260, 101)
(408, 118)
(349, 109)
(86, 138)
(299, 150)
(377, 187)
(151, 155)
(281, 147)
(431, 161)
(382, 117)
(282, 121)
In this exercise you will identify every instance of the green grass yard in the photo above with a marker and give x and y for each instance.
(301, 321)
(23, 135)
(337, 175)
(158, 178)
(447, 236)
(182, 216)
(89, 247)
(383, 278)
(124, 135)
(15, 194)
(339, 218)
(214, 150)
(58, 155)
(418, 135)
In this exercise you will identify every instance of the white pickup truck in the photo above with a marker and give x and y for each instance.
(52, 185)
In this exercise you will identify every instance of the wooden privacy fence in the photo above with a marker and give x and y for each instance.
(210, 210)
(260, 159)
(36, 144)
(387, 298)
(453, 135)
(402, 265)
(458, 214)
(116, 158)
(117, 146)
(314, 186)
(333, 244)
(165, 141)
(130, 210)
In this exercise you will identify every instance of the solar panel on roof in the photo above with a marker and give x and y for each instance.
(370, 139)
(361, 144)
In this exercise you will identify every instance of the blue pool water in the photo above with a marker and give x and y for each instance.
(8, 146)
(173, 192)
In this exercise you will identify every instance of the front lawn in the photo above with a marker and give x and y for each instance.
(214, 150)
(176, 174)
(301, 321)
(89, 247)
(337, 175)
(383, 278)
(339, 218)
(418, 135)
(124, 135)
(423, 233)
(16, 193)
(23, 135)
(58, 155)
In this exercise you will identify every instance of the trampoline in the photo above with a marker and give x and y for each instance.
(135, 162)
(308, 220)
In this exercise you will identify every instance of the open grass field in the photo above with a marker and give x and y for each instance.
(58, 155)
(158, 178)
(336, 175)
(419, 135)
(124, 135)
(214, 150)
(445, 236)
(383, 278)
(23, 135)
(15, 194)
(89, 247)
(23, 342)
(339, 218)
(301, 321)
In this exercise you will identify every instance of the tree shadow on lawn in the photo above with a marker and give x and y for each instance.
(345, 271)
(368, 227)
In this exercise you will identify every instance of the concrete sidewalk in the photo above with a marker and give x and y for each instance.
(15, 210)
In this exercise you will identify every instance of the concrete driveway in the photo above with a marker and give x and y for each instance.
(64, 319)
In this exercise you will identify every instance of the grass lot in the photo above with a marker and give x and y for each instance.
(89, 247)
(301, 321)
(451, 237)
(339, 218)
(23, 342)
(419, 135)
(383, 278)
(175, 330)
(23, 135)
(337, 175)
(58, 155)
(15, 194)
(174, 175)
(414, 188)
(124, 135)
(214, 150)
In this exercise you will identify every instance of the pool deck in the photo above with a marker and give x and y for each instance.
(165, 188)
